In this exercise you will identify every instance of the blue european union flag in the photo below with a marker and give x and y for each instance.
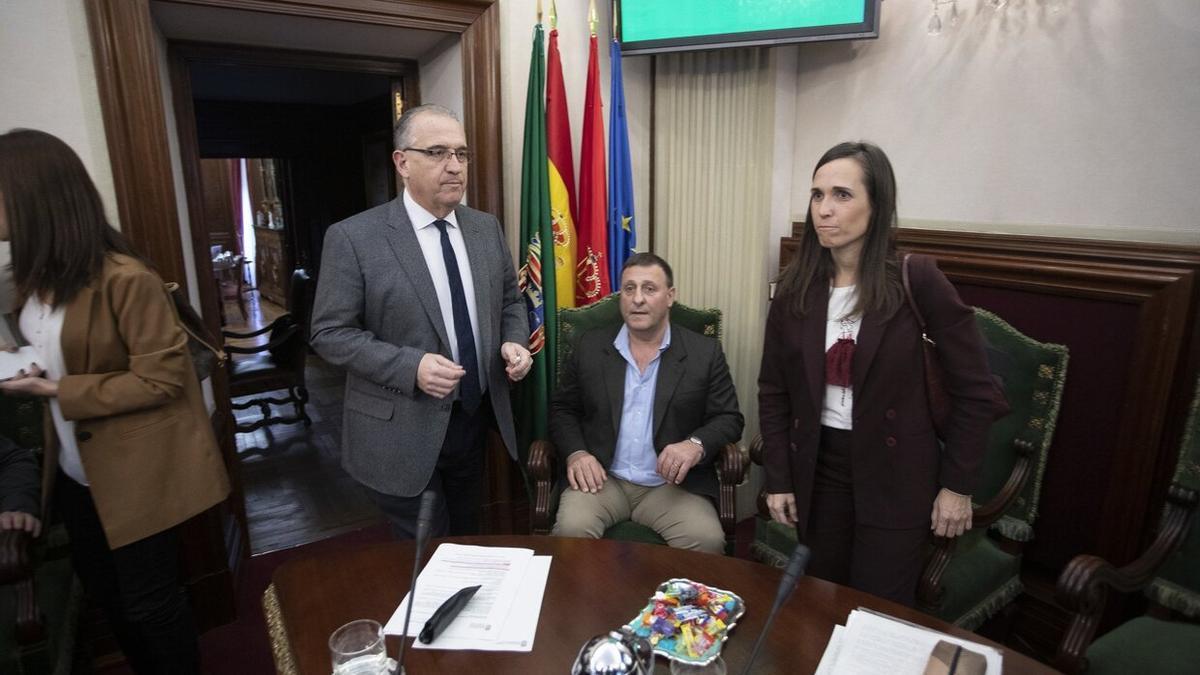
(622, 235)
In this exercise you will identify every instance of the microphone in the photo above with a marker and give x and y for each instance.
(424, 523)
(795, 569)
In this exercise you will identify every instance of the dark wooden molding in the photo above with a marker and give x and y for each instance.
(243, 55)
(1161, 283)
(189, 155)
(124, 49)
(452, 16)
(481, 103)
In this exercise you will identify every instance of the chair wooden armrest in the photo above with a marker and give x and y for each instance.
(275, 343)
(1083, 585)
(542, 464)
(16, 569)
(14, 556)
(929, 588)
(731, 472)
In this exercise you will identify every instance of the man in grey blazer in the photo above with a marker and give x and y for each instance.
(418, 302)
(640, 414)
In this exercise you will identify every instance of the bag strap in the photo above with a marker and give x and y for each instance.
(912, 303)
(174, 292)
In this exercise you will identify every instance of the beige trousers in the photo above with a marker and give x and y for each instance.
(683, 519)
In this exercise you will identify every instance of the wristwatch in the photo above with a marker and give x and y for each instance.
(697, 441)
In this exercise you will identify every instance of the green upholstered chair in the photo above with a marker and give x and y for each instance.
(968, 580)
(40, 598)
(1167, 638)
(543, 462)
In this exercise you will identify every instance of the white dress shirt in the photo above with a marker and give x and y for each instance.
(430, 240)
(838, 408)
(42, 327)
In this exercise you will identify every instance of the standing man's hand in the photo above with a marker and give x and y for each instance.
(438, 375)
(677, 459)
(584, 472)
(518, 360)
(951, 514)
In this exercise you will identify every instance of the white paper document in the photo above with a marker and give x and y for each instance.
(12, 362)
(873, 643)
(512, 585)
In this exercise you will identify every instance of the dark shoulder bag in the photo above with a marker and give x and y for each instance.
(201, 344)
(935, 376)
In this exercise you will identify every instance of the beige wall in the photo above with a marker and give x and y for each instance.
(1084, 122)
(48, 81)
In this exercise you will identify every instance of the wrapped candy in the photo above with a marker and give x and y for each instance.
(688, 621)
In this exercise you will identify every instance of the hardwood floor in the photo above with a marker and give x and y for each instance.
(296, 490)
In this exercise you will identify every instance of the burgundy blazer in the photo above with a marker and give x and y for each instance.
(896, 460)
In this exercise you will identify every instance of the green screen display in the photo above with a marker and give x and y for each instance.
(643, 20)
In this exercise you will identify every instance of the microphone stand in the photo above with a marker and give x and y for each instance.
(424, 523)
(795, 569)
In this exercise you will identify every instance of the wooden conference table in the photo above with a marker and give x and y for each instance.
(594, 586)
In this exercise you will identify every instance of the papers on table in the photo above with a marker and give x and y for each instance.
(876, 643)
(12, 362)
(503, 614)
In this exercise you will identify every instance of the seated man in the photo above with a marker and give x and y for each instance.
(640, 414)
(19, 487)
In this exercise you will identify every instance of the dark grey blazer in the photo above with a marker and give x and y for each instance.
(376, 314)
(694, 396)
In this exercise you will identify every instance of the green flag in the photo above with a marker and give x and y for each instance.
(536, 259)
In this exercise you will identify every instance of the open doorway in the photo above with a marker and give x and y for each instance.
(286, 143)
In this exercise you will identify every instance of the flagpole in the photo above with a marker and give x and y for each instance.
(553, 14)
(592, 21)
(539, 11)
(614, 19)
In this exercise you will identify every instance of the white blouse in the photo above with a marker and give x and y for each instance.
(42, 326)
(838, 408)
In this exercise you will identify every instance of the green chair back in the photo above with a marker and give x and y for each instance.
(576, 321)
(1177, 586)
(1034, 374)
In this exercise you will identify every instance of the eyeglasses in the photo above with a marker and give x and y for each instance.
(440, 154)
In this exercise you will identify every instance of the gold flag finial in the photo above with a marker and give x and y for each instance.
(614, 19)
(553, 15)
(539, 11)
(592, 16)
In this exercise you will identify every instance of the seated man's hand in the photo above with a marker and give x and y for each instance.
(438, 375)
(19, 520)
(782, 506)
(677, 459)
(584, 472)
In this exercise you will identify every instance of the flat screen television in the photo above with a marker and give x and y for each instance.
(649, 26)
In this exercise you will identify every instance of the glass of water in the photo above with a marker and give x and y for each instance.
(358, 648)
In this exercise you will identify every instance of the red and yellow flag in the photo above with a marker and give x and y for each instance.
(562, 174)
(591, 271)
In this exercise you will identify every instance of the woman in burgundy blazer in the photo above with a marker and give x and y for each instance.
(852, 460)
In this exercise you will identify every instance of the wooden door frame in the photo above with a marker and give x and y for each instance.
(131, 99)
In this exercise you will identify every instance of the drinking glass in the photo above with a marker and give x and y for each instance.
(358, 648)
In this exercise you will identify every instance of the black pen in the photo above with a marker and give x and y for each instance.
(446, 613)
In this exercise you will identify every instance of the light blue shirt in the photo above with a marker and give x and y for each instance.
(634, 458)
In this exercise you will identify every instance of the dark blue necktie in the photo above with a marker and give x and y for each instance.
(469, 393)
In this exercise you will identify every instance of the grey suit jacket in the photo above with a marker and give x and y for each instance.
(376, 314)
(694, 396)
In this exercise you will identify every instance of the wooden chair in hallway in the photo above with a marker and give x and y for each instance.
(277, 365)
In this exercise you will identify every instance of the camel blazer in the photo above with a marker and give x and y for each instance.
(897, 462)
(376, 314)
(694, 396)
(143, 432)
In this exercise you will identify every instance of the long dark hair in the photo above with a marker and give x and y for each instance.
(56, 222)
(879, 287)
